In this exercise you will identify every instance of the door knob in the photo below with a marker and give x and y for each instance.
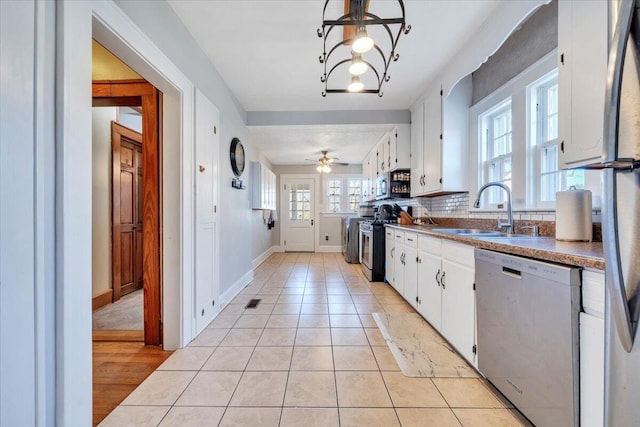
(201, 168)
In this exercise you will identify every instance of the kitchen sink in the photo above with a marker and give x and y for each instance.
(474, 232)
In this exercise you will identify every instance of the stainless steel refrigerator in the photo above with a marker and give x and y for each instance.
(621, 218)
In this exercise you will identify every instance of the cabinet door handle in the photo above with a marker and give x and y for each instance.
(438, 277)
(442, 279)
(392, 251)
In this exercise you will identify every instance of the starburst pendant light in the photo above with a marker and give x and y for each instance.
(348, 54)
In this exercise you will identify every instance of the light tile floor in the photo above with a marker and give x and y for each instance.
(310, 354)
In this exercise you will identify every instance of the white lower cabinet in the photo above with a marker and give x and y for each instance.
(429, 272)
(437, 278)
(592, 350)
(410, 263)
(389, 249)
(459, 301)
(405, 266)
(398, 266)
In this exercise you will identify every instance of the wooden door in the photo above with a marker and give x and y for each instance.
(126, 152)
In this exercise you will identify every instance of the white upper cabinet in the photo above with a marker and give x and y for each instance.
(439, 141)
(417, 146)
(582, 73)
(263, 187)
(391, 152)
(433, 141)
(382, 149)
(399, 148)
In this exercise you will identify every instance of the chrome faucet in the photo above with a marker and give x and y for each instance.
(509, 223)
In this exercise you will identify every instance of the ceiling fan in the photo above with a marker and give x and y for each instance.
(324, 162)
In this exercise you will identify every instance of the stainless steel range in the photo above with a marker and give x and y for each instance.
(372, 242)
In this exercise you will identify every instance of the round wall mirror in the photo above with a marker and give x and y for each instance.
(236, 154)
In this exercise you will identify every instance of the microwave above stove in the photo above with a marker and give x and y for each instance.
(394, 185)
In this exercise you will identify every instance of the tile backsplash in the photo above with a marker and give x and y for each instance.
(457, 206)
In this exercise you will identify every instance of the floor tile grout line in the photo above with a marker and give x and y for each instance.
(240, 379)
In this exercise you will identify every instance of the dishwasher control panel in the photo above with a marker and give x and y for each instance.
(556, 272)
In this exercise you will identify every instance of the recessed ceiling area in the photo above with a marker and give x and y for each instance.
(291, 145)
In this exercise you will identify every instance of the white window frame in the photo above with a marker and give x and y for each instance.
(344, 193)
(329, 194)
(539, 142)
(489, 159)
(516, 91)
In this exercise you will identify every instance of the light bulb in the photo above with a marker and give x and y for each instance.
(358, 66)
(326, 169)
(319, 168)
(356, 85)
(363, 43)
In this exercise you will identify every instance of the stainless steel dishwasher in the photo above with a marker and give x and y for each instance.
(528, 344)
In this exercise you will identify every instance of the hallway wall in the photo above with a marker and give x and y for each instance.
(100, 199)
(243, 236)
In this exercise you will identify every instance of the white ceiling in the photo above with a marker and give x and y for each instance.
(267, 52)
(290, 145)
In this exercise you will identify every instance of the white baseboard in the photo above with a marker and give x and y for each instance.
(277, 248)
(335, 248)
(262, 257)
(235, 289)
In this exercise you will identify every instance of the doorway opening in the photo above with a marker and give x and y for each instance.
(135, 198)
(126, 231)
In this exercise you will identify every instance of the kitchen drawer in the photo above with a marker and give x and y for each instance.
(388, 232)
(593, 293)
(458, 253)
(399, 236)
(432, 245)
(411, 240)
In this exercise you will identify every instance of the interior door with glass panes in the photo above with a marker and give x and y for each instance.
(298, 234)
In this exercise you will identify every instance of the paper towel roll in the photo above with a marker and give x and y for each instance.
(573, 215)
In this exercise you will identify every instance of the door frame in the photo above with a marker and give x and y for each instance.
(133, 93)
(77, 24)
(316, 214)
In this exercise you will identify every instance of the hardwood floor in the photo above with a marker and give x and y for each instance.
(118, 368)
(120, 335)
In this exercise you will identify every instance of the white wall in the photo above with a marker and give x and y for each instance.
(100, 199)
(242, 234)
(27, 217)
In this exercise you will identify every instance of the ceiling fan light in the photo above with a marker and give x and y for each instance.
(326, 169)
(319, 168)
(362, 43)
(358, 66)
(356, 84)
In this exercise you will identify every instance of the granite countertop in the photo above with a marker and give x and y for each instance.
(580, 254)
